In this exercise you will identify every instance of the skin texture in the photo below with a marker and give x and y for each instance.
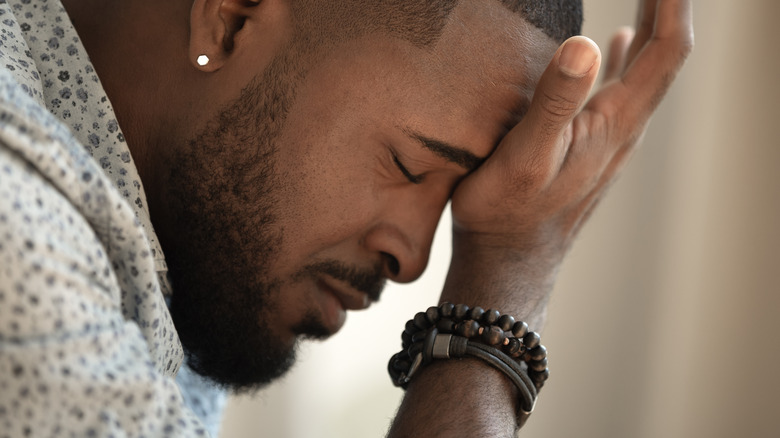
(338, 192)
(262, 203)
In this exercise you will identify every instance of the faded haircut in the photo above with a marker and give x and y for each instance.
(420, 22)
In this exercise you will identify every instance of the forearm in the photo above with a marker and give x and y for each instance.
(457, 398)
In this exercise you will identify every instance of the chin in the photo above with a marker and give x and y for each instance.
(237, 343)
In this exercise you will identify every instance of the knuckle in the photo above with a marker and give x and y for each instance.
(531, 176)
(647, 21)
(687, 44)
(680, 43)
(559, 106)
(683, 44)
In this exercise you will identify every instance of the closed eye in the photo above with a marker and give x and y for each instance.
(414, 179)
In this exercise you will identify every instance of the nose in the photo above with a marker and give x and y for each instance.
(403, 235)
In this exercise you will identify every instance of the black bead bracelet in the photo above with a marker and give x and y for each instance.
(455, 331)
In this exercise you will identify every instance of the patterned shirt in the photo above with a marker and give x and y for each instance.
(87, 345)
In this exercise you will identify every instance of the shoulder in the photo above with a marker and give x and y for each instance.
(55, 275)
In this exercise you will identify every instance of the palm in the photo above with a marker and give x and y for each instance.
(548, 173)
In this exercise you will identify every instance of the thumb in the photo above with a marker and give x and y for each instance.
(562, 89)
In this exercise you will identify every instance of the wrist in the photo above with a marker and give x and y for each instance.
(543, 249)
(463, 398)
(451, 333)
(486, 270)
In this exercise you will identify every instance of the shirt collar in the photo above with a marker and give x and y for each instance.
(62, 78)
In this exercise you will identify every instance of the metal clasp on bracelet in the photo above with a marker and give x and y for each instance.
(522, 417)
(441, 346)
(404, 378)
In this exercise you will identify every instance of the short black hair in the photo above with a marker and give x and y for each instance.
(558, 19)
(421, 22)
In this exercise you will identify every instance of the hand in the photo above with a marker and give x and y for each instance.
(516, 216)
(548, 173)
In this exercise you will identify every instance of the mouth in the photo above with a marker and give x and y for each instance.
(349, 298)
(334, 301)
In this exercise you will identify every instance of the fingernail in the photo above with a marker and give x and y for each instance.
(577, 57)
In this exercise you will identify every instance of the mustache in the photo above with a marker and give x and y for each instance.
(369, 281)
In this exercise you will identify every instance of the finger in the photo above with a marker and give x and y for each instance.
(618, 52)
(630, 102)
(560, 94)
(651, 74)
(645, 22)
(675, 20)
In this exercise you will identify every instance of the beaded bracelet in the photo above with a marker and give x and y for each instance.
(454, 331)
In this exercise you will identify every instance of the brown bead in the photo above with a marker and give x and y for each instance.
(539, 376)
(515, 347)
(445, 325)
(506, 322)
(468, 329)
(421, 321)
(493, 336)
(459, 314)
(531, 340)
(519, 329)
(406, 339)
(491, 317)
(432, 314)
(419, 336)
(538, 365)
(445, 309)
(475, 313)
(538, 352)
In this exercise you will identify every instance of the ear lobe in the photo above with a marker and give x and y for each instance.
(213, 26)
(206, 28)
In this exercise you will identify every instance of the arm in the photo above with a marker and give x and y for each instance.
(513, 224)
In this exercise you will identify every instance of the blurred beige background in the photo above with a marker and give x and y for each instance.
(666, 316)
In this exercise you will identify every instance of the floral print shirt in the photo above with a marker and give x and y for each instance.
(87, 345)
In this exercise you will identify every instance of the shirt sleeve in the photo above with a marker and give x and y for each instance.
(71, 364)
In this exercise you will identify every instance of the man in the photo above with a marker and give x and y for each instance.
(294, 155)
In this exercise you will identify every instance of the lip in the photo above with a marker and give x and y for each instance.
(349, 298)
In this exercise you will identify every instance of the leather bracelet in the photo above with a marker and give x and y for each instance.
(455, 331)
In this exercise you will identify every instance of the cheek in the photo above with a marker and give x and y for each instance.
(326, 166)
(327, 198)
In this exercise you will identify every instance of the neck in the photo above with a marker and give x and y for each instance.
(139, 50)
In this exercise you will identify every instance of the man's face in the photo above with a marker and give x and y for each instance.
(294, 206)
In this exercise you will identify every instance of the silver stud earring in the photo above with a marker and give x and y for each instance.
(203, 60)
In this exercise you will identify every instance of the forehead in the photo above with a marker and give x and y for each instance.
(467, 89)
(485, 67)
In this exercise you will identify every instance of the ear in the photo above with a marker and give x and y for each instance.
(214, 25)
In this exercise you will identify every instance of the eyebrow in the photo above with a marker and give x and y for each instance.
(453, 154)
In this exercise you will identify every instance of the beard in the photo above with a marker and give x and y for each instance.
(223, 196)
(222, 236)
